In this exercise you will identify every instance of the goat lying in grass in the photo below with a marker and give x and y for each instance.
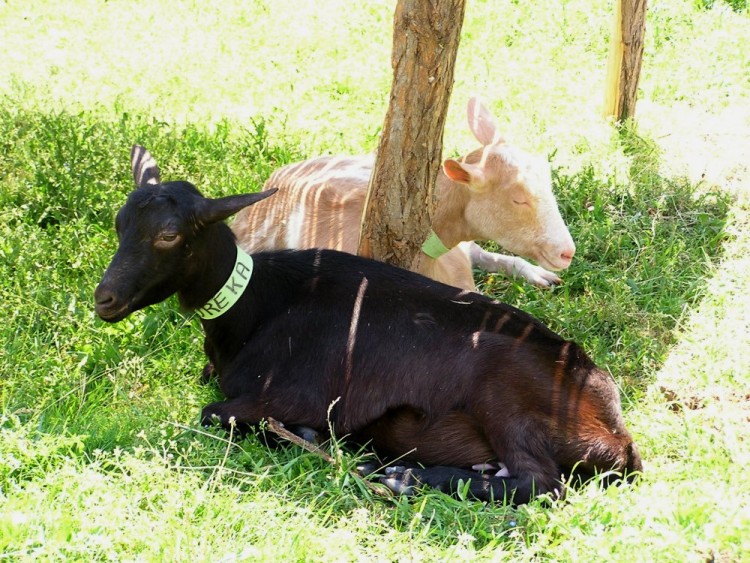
(498, 192)
(424, 371)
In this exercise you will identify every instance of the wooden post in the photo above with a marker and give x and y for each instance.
(398, 209)
(625, 56)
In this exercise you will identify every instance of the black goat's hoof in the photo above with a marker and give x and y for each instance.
(401, 480)
(306, 433)
(367, 468)
(209, 420)
(208, 373)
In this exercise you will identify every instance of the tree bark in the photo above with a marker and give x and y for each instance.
(626, 54)
(398, 208)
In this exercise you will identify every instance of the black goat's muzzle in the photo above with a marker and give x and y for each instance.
(108, 306)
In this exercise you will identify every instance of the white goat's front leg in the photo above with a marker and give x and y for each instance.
(511, 265)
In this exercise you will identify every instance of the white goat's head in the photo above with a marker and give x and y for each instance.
(511, 199)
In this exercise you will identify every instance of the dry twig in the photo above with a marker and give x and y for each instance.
(277, 428)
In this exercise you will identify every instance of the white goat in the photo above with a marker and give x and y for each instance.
(498, 192)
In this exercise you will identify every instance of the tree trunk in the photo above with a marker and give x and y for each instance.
(398, 209)
(626, 54)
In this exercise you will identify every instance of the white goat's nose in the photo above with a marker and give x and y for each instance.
(568, 253)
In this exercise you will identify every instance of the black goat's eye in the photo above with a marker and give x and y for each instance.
(167, 240)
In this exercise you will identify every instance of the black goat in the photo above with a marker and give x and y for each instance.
(440, 376)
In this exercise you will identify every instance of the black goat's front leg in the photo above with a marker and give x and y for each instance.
(209, 370)
(208, 373)
(245, 412)
(405, 480)
(241, 411)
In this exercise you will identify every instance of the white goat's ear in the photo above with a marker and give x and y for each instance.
(482, 123)
(145, 170)
(463, 173)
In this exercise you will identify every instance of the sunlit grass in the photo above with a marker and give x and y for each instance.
(100, 453)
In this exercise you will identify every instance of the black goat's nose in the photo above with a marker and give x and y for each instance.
(108, 305)
(103, 296)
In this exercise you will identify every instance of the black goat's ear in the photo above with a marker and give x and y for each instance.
(145, 170)
(214, 210)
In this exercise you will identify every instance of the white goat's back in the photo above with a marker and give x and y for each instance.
(319, 205)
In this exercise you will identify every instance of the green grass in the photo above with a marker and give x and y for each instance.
(101, 456)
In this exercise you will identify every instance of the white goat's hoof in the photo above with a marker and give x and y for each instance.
(538, 276)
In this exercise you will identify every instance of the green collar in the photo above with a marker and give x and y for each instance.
(234, 287)
(433, 246)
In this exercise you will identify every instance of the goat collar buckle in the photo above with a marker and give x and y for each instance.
(234, 287)
(433, 246)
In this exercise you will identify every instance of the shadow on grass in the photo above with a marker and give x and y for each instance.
(62, 178)
(645, 246)
(645, 249)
